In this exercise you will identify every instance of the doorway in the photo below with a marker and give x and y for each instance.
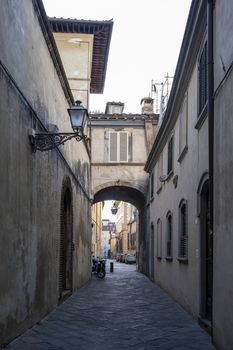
(66, 239)
(206, 255)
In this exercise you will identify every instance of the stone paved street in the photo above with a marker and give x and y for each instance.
(123, 311)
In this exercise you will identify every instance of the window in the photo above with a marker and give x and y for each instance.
(183, 123)
(159, 171)
(183, 234)
(152, 185)
(170, 156)
(169, 235)
(159, 239)
(202, 78)
(118, 146)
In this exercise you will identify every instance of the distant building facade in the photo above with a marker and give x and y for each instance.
(105, 239)
(96, 217)
(126, 228)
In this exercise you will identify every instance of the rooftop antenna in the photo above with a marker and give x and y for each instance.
(161, 91)
(156, 94)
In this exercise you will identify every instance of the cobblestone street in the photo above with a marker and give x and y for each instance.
(123, 311)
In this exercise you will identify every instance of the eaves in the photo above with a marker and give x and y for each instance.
(194, 31)
(119, 123)
(102, 32)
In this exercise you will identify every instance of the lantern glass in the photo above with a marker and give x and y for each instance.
(114, 210)
(78, 116)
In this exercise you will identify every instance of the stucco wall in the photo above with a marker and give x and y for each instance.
(223, 185)
(105, 172)
(76, 53)
(32, 183)
(181, 280)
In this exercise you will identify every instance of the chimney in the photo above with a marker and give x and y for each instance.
(147, 105)
(114, 108)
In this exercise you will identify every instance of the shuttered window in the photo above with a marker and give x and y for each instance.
(159, 172)
(152, 185)
(170, 156)
(203, 78)
(183, 234)
(183, 125)
(169, 235)
(159, 239)
(113, 147)
(123, 146)
(118, 146)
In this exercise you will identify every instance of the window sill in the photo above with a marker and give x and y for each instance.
(183, 260)
(169, 176)
(169, 258)
(201, 118)
(183, 153)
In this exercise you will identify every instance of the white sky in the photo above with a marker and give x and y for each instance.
(145, 43)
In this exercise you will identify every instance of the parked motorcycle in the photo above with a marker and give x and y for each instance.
(98, 267)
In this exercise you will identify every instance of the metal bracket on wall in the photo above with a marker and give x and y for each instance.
(47, 141)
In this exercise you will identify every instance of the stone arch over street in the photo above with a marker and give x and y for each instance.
(124, 192)
(121, 190)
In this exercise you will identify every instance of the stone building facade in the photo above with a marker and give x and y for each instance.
(45, 235)
(123, 142)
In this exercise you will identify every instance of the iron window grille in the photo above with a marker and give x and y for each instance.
(169, 235)
(183, 241)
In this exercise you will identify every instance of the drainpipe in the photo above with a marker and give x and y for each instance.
(210, 60)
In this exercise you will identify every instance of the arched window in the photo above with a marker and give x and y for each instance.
(183, 231)
(169, 235)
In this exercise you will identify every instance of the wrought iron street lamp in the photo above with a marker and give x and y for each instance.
(114, 209)
(48, 140)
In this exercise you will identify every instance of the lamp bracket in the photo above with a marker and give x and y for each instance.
(48, 141)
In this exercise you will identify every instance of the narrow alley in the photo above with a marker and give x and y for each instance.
(123, 311)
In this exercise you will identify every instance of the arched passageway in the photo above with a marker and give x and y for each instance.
(138, 199)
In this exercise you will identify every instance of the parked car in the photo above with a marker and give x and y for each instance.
(130, 258)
